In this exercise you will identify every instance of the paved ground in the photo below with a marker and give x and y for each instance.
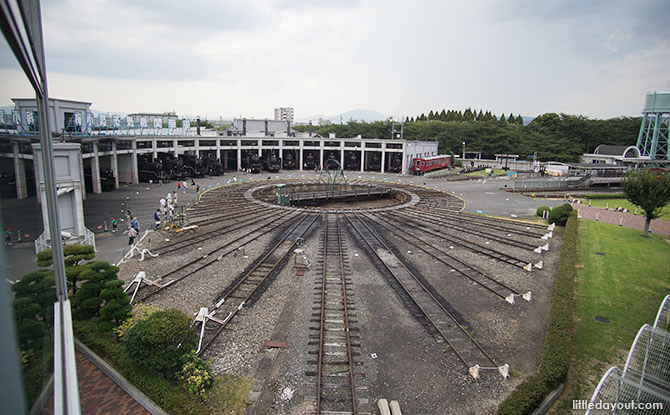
(629, 220)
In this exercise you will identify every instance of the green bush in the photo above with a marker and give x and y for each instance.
(160, 341)
(542, 209)
(559, 215)
(196, 375)
(558, 341)
(139, 312)
(567, 206)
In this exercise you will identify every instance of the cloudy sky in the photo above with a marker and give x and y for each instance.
(222, 58)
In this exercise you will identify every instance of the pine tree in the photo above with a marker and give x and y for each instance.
(117, 306)
(467, 115)
(34, 295)
(519, 119)
(480, 116)
(502, 117)
(87, 301)
(510, 118)
(443, 115)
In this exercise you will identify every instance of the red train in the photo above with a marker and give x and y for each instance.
(426, 164)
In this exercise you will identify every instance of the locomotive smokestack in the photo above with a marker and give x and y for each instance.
(244, 126)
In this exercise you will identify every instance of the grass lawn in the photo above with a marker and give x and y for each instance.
(613, 203)
(625, 285)
(484, 173)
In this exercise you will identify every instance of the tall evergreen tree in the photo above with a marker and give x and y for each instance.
(510, 118)
(443, 115)
(467, 115)
(502, 117)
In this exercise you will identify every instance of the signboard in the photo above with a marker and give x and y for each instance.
(130, 122)
(143, 122)
(77, 119)
(158, 123)
(172, 123)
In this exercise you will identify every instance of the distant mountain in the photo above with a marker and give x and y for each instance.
(527, 120)
(345, 117)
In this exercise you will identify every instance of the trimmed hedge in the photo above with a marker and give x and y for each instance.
(559, 215)
(540, 211)
(558, 341)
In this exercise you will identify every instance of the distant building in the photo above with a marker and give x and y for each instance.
(613, 155)
(259, 128)
(284, 114)
(323, 121)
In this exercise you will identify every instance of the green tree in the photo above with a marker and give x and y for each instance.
(116, 308)
(34, 296)
(73, 256)
(88, 301)
(650, 191)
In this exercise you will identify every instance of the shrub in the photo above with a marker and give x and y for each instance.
(139, 313)
(196, 375)
(159, 341)
(567, 206)
(559, 215)
(541, 210)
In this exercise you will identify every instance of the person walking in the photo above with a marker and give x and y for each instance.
(157, 218)
(115, 224)
(135, 224)
(178, 184)
(132, 234)
(8, 237)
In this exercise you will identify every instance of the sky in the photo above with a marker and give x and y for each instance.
(596, 58)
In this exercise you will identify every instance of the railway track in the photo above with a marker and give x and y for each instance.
(213, 256)
(235, 297)
(464, 346)
(335, 390)
(454, 264)
(422, 226)
(463, 226)
(218, 231)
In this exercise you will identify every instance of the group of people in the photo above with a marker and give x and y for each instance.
(166, 211)
(184, 185)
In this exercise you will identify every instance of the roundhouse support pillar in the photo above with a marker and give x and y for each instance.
(19, 174)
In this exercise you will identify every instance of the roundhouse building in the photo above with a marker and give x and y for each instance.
(114, 152)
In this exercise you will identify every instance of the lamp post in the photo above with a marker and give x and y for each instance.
(463, 151)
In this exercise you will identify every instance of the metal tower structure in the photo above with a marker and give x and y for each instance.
(655, 129)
